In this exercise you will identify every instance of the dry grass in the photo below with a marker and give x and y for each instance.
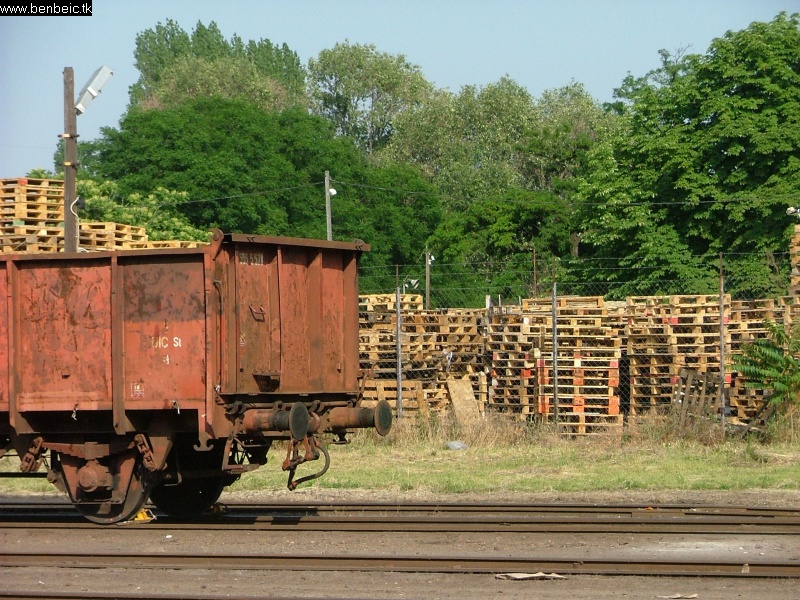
(506, 456)
(510, 456)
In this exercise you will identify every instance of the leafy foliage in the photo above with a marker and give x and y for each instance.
(244, 169)
(157, 212)
(772, 363)
(698, 157)
(468, 145)
(361, 91)
(166, 55)
(192, 77)
(708, 161)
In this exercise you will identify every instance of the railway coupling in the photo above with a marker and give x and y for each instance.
(304, 427)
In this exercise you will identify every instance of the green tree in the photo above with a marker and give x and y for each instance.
(362, 91)
(156, 212)
(192, 77)
(708, 162)
(243, 169)
(568, 123)
(490, 245)
(166, 55)
(392, 207)
(469, 145)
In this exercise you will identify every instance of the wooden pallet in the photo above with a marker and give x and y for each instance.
(585, 424)
(388, 302)
(12, 244)
(174, 244)
(31, 190)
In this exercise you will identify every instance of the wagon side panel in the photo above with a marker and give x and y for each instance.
(319, 313)
(164, 322)
(62, 335)
(299, 338)
(4, 338)
(258, 335)
(339, 319)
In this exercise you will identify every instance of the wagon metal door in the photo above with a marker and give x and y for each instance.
(258, 331)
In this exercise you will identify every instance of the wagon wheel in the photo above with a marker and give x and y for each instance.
(191, 497)
(201, 481)
(106, 512)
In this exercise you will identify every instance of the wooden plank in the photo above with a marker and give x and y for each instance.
(462, 401)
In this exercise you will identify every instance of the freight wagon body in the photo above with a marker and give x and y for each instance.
(167, 374)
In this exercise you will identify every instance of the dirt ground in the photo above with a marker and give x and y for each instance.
(265, 584)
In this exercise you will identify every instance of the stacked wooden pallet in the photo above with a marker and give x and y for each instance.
(748, 324)
(422, 358)
(585, 385)
(111, 236)
(31, 215)
(666, 333)
(388, 302)
(461, 339)
(509, 343)
(32, 221)
(508, 356)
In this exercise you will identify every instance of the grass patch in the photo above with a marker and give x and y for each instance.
(505, 456)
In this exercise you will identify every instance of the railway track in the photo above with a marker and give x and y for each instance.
(442, 518)
(415, 564)
(130, 546)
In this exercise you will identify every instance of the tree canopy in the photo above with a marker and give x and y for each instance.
(362, 91)
(699, 157)
(175, 65)
(707, 163)
(244, 169)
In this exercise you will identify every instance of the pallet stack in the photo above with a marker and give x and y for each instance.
(32, 221)
(586, 384)
(420, 353)
(665, 334)
(650, 356)
(462, 342)
(509, 343)
(747, 324)
(111, 236)
(507, 355)
(31, 215)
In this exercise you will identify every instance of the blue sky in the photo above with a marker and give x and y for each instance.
(541, 44)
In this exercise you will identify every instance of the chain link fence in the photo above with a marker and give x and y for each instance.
(584, 355)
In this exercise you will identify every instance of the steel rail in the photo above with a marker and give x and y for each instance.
(449, 507)
(96, 595)
(565, 520)
(415, 564)
(488, 524)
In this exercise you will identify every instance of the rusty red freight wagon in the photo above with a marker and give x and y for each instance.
(165, 374)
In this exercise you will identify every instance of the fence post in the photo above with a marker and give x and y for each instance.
(555, 354)
(399, 347)
(722, 391)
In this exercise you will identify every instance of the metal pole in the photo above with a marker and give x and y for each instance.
(722, 395)
(399, 347)
(328, 205)
(555, 353)
(427, 279)
(70, 137)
